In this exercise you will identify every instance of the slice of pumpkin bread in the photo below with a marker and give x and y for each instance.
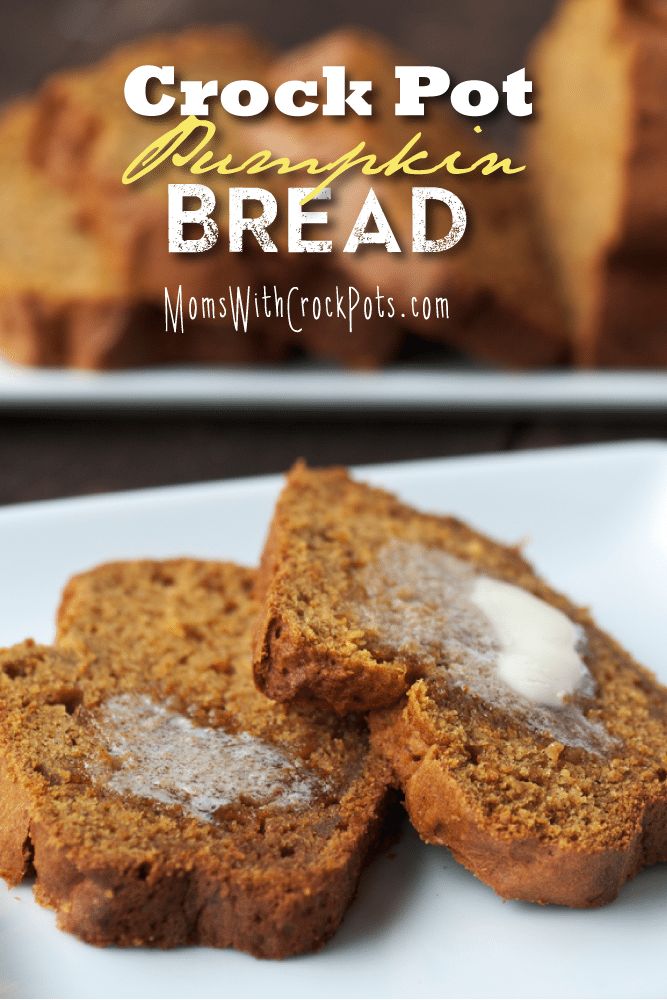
(524, 738)
(158, 797)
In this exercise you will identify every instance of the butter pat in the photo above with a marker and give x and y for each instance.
(155, 753)
(538, 646)
(497, 642)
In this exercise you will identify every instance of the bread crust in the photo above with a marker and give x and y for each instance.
(188, 903)
(119, 869)
(289, 665)
(15, 843)
(288, 668)
(523, 868)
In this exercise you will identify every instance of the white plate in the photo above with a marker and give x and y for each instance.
(308, 386)
(596, 523)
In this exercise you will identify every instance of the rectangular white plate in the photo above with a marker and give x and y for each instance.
(595, 521)
(309, 386)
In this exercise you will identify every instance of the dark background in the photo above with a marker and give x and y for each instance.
(471, 38)
(45, 456)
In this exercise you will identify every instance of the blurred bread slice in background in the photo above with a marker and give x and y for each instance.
(84, 136)
(64, 299)
(503, 309)
(598, 155)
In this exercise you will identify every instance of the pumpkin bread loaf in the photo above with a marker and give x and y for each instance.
(84, 135)
(369, 604)
(158, 798)
(64, 300)
(502, 304)
(597, 153)
(58, 298)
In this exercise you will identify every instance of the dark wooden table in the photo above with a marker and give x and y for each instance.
(43, 457)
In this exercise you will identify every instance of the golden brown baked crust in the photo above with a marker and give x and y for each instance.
(534, 863)
(553, 806)
(130, 854)
(597, 152)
